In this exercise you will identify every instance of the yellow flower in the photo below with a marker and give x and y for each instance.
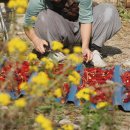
(33, 68)
(89, 91)
(22, 3)
(82, 95)
(48, 63)
(85, 93)
(18, 3)
(33, 18)
(20, 10)
(4, 99)
(12, 4)
(20, 103)
(17, 45)
(66, 51)
(24, 86)
(77, 49)
(68, 127)
(57, 45)
(39, 119)
(36, 90)
(41, 79)
(58, 93)
(75, 58)
(86, 97)
(32, 56)
(22, 57)
(79, 95)
(101, 105)
(74, 77)
(44, 122)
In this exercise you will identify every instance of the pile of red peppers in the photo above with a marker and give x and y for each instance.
(92, 77)
(95, 78)
(126, 81)
(20, 73)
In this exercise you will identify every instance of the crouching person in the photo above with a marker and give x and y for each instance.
(72, 22)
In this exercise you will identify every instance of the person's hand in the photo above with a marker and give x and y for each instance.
(87, 54)
(39, 45)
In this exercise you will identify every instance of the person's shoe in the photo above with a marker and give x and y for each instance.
(95, 47)
(97, 60)
(98, 48)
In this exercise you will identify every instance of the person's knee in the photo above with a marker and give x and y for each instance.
(107, 5)
(109, 12)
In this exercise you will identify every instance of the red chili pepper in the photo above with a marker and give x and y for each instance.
(21, 73)
(126, 81)
(126, 100)
(66, 87)
(2, 78)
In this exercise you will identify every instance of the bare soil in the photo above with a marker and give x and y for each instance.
(117, 48)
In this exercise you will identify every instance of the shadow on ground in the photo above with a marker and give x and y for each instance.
(110, 51)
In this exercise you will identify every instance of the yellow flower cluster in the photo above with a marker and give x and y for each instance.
(74, 77)
(48, 63)
(68, 127)
(57, 46)
(75, 58)
(41, 79)
(17, 45)
(85, 93)
(77, 49)
(36, 90)
(44, 122)
(31, 57)
(33, 68)
(19, 5)
(33, 18)
(20, 103)
(32, 89)
(58, 93)
(24, 86)
(4, 99)
(66, 51)
(102, 105)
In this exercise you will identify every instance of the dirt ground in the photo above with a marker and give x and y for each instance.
(117, 48)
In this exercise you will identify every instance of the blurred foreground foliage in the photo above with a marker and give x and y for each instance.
(38, 109)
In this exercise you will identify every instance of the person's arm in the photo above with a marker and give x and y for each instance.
(86, 19)
(36, 41)
(34, 7)
(86, 34)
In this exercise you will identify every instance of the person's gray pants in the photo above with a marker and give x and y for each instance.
(52, 26)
